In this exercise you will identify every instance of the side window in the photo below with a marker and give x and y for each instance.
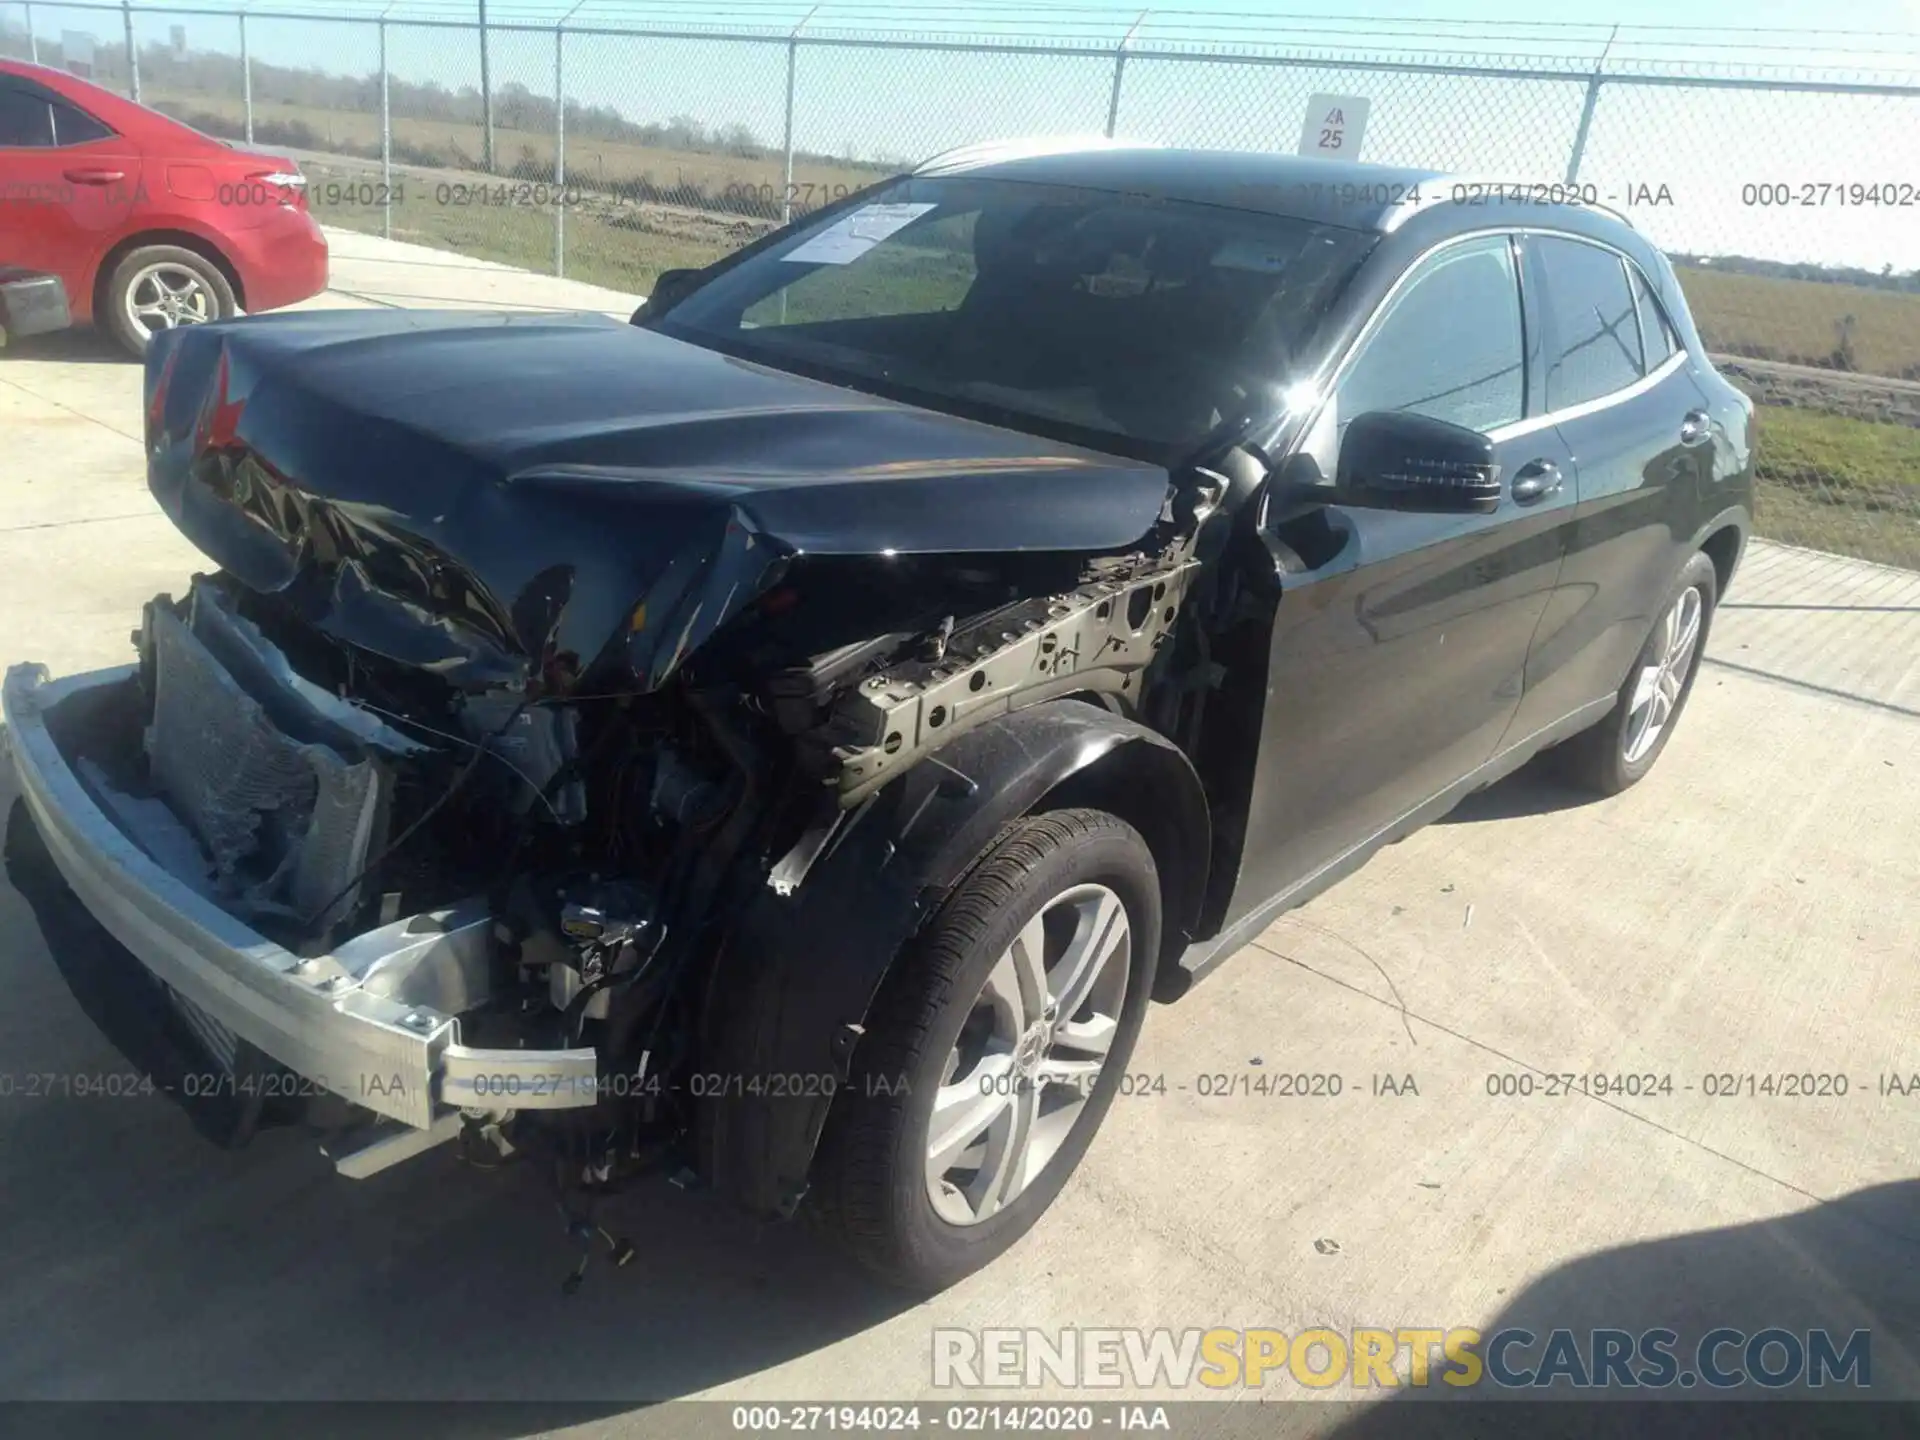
(1657, 339)
(1593, 333)
(72, 126)
(25, 120)
(1449, 344)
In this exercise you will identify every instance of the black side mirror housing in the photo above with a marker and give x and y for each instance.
(1396, 460)
(669, 288)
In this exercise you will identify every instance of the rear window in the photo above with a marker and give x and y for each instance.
(73, 126)
(1591, 324)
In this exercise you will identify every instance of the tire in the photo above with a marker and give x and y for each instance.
(209, 291)
(1613, 754)
(934, 1021)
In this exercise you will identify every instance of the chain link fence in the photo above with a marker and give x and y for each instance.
(610, 151)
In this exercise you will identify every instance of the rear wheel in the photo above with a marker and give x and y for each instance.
(161, 287)
(993, 1051)
(1622, 748)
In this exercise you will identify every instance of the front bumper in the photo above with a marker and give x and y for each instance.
(360, 1022)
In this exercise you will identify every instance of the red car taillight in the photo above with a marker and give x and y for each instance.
(289, 185)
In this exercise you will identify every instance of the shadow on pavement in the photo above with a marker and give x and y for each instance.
(144, 1263)
(1842, 1265)
(82, 345)
(1533, 789)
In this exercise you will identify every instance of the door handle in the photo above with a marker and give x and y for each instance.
(1696, 428)
(1535, 481)
(95, 177)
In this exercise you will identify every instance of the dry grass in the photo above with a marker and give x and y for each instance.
(1801, 320)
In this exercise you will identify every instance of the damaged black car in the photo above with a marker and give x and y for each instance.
(788, 739)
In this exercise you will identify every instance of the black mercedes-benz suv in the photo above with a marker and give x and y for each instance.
(791, 736)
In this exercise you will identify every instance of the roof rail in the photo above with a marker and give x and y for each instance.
(1445, 186)
(992, 152)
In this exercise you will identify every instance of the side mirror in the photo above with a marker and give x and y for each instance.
(670, 287)
(1396, 460)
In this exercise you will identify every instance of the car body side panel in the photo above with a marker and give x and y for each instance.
(796, 974)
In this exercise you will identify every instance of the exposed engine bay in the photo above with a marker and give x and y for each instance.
(572, 859)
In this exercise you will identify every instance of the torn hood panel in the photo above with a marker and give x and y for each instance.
(535, 500)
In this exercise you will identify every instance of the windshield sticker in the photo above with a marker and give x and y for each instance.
(851, 236)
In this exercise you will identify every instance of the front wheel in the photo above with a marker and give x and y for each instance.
(1621, 749)
(993, 1050)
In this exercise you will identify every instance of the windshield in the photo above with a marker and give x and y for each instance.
(1131, 323)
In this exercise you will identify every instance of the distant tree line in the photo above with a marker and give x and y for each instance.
(1885, 278)
(515, 107)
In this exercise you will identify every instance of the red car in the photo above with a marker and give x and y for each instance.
(145, 222)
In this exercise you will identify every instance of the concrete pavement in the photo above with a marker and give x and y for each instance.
(1749, 911)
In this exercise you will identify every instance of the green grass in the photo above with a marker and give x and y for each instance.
(1847, 486)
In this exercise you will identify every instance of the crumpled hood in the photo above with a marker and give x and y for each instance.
(535, 500)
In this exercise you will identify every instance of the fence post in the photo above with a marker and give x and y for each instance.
(1119, 70)
(1594, 82)
(786, 145)
(559, 150)
(133, 52)
(246, 77)
(33, 41)
(486, 97)
(386, 143)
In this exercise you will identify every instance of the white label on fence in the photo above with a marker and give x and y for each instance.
(76, 51)
(1334, 125)
(851, 236)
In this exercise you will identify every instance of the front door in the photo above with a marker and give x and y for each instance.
(1396, 666)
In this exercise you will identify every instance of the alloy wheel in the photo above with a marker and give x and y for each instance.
(1029, 1054)
(167, 294)
(1656, 692)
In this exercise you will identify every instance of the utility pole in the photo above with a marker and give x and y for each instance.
(486, 97)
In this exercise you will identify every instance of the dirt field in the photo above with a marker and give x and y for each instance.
(1803, 320)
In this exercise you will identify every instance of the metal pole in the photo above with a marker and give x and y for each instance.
(246, 77)
(386, 144)
(559, 152)
(133, 51)
(793, 65)
(486, 97)
(33, 41)
(1119, 70)
(1594, 82)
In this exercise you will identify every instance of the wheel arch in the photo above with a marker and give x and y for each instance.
(793, 979)
(183, 239)
(1723, 541)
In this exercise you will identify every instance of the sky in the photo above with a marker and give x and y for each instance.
(1681, 162)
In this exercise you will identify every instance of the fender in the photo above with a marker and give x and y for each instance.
(796, 974)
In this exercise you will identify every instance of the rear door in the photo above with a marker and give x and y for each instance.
(1619, 391)
(1397, 666)
(67, 187)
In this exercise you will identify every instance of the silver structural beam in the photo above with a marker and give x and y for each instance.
(386, 143)
(1587, 109)
(1120, 71)
(559, 151)
(246, 78)
(33, 40)
(486, 97)
(133, 52)
(786, 143)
